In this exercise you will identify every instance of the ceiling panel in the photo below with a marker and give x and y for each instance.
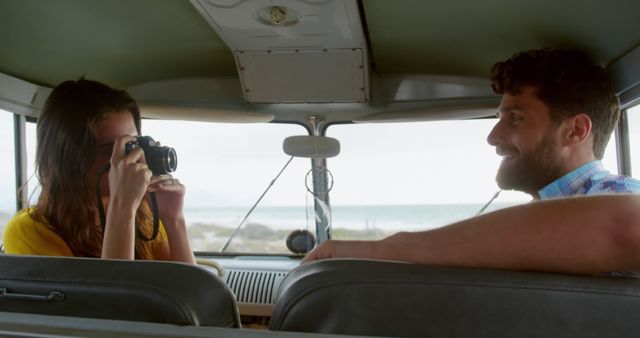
(120, 42)
(465, 37)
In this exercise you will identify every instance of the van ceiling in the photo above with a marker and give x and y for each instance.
(466, 37)
(120, 42)
(124, 42)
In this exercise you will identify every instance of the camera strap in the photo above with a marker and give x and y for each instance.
(154, 208)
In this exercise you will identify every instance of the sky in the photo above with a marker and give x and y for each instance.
(224, 165)
(419, 163)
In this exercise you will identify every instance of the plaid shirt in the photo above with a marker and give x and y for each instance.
(589, 179)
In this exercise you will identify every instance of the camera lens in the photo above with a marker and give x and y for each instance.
(169, 159)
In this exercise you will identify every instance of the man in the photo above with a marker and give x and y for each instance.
(556, 115)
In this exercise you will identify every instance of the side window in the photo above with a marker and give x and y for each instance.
(33, 184)
(634, 139)
(610, 157)
(8, 180)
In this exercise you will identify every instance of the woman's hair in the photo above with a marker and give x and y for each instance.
(66, 150)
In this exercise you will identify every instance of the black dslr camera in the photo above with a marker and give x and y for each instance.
(161, 160)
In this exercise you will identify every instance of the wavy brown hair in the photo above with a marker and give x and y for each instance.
(569, 82)
(66, 150)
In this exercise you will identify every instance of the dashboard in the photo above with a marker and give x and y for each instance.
(253, 279)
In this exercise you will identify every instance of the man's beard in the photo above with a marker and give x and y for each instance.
(531, 172)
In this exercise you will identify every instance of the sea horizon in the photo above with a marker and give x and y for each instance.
(355, 217)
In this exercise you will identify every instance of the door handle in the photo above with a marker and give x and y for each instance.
(52, 296)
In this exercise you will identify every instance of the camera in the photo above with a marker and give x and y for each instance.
(161, 160)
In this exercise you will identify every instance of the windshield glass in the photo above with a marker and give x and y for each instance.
(415, 176)
(387, 178)
(225, 168)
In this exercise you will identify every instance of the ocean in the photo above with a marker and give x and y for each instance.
(267, 228)
(354, 217)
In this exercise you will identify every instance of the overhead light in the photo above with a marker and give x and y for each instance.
(278, 16)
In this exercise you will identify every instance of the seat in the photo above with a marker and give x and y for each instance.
(148, 291)
(378, 298)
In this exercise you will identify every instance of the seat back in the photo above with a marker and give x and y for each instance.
(377, 298)
(149, 291)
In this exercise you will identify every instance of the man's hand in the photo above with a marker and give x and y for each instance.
(343, 249)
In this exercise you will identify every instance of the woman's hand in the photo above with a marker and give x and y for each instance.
(129, 176)
(170, 195)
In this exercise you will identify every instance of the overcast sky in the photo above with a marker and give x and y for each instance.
(403, 163)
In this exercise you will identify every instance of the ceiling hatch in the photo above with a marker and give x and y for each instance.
(290, 51)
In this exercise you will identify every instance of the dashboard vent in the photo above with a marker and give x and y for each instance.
(257, 287)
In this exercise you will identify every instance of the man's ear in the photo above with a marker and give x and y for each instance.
(579, 129)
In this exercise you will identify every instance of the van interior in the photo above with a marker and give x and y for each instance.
(333, 106)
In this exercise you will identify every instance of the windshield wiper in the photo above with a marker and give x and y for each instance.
(228, 241)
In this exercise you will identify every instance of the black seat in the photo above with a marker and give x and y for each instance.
(148, 291)
(379, 298)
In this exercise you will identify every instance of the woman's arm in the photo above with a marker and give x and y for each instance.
(179, 241)
(170, 195)
(129, 177)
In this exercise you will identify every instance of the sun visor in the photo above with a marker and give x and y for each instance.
(202, 114)
(480, 108)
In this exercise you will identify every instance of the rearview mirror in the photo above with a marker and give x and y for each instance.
(311, 146)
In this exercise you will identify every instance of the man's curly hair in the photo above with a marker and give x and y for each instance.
(569, 82)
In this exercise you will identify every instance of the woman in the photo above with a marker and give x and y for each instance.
(84, 125)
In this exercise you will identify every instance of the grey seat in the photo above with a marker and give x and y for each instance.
(379, 298)
(148, 291)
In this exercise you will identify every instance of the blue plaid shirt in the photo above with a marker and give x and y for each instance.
(589, 179)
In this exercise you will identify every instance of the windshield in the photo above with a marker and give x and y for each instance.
(387, 178)
(225, 168)
(415, 176)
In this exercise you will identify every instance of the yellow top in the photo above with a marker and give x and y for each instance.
(24, 235)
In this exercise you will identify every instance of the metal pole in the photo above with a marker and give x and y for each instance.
(20, 150)
(623, 147)
(322, 206)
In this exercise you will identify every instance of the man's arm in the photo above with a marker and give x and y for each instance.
(586, 235)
